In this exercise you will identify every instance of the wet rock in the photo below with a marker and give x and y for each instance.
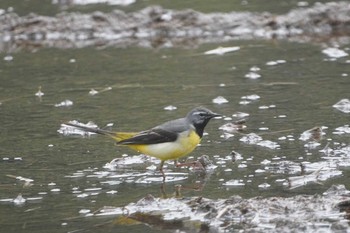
(234, 127)
(301, 213)
(156, 27)
(314, 134)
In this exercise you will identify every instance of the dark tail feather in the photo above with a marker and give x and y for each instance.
(91, 130)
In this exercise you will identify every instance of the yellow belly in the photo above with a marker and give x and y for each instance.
(184, 145)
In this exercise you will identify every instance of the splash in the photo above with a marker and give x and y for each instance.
(220, 100)
(222, 50)
(67, 130)
(335, 52)
(343, 105)
(65, 103)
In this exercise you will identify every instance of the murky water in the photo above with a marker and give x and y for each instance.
(298, 86)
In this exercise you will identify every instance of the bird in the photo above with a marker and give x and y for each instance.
(168, 141)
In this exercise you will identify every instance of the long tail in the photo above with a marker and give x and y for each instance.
(118, 136)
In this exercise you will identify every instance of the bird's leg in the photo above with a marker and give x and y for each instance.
(161, 169)
(162, 190)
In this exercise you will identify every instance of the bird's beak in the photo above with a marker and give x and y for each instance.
(213, 114)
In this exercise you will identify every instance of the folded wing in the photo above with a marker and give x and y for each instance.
(148, 137)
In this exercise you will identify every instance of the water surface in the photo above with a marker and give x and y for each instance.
(135, 85)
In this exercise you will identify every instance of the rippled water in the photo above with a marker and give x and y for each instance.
(281, 90)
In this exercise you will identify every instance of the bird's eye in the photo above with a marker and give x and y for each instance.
(200, 114)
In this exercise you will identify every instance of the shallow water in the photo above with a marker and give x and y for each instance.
(68, 173)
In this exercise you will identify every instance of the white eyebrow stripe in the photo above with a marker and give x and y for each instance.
(199, 112)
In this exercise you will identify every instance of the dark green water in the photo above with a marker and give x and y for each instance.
(143, 82)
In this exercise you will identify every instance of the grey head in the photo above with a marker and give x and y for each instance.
(199, 118)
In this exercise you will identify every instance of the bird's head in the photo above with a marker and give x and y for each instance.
(199, 118)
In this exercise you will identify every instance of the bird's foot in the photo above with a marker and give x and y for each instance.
(200, 164)
(197, 165)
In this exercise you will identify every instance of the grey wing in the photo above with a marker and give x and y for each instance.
(177, 126)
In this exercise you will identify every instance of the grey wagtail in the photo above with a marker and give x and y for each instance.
(170, 140)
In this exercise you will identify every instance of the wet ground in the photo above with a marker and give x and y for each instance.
(158, 27)
(278, 158)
